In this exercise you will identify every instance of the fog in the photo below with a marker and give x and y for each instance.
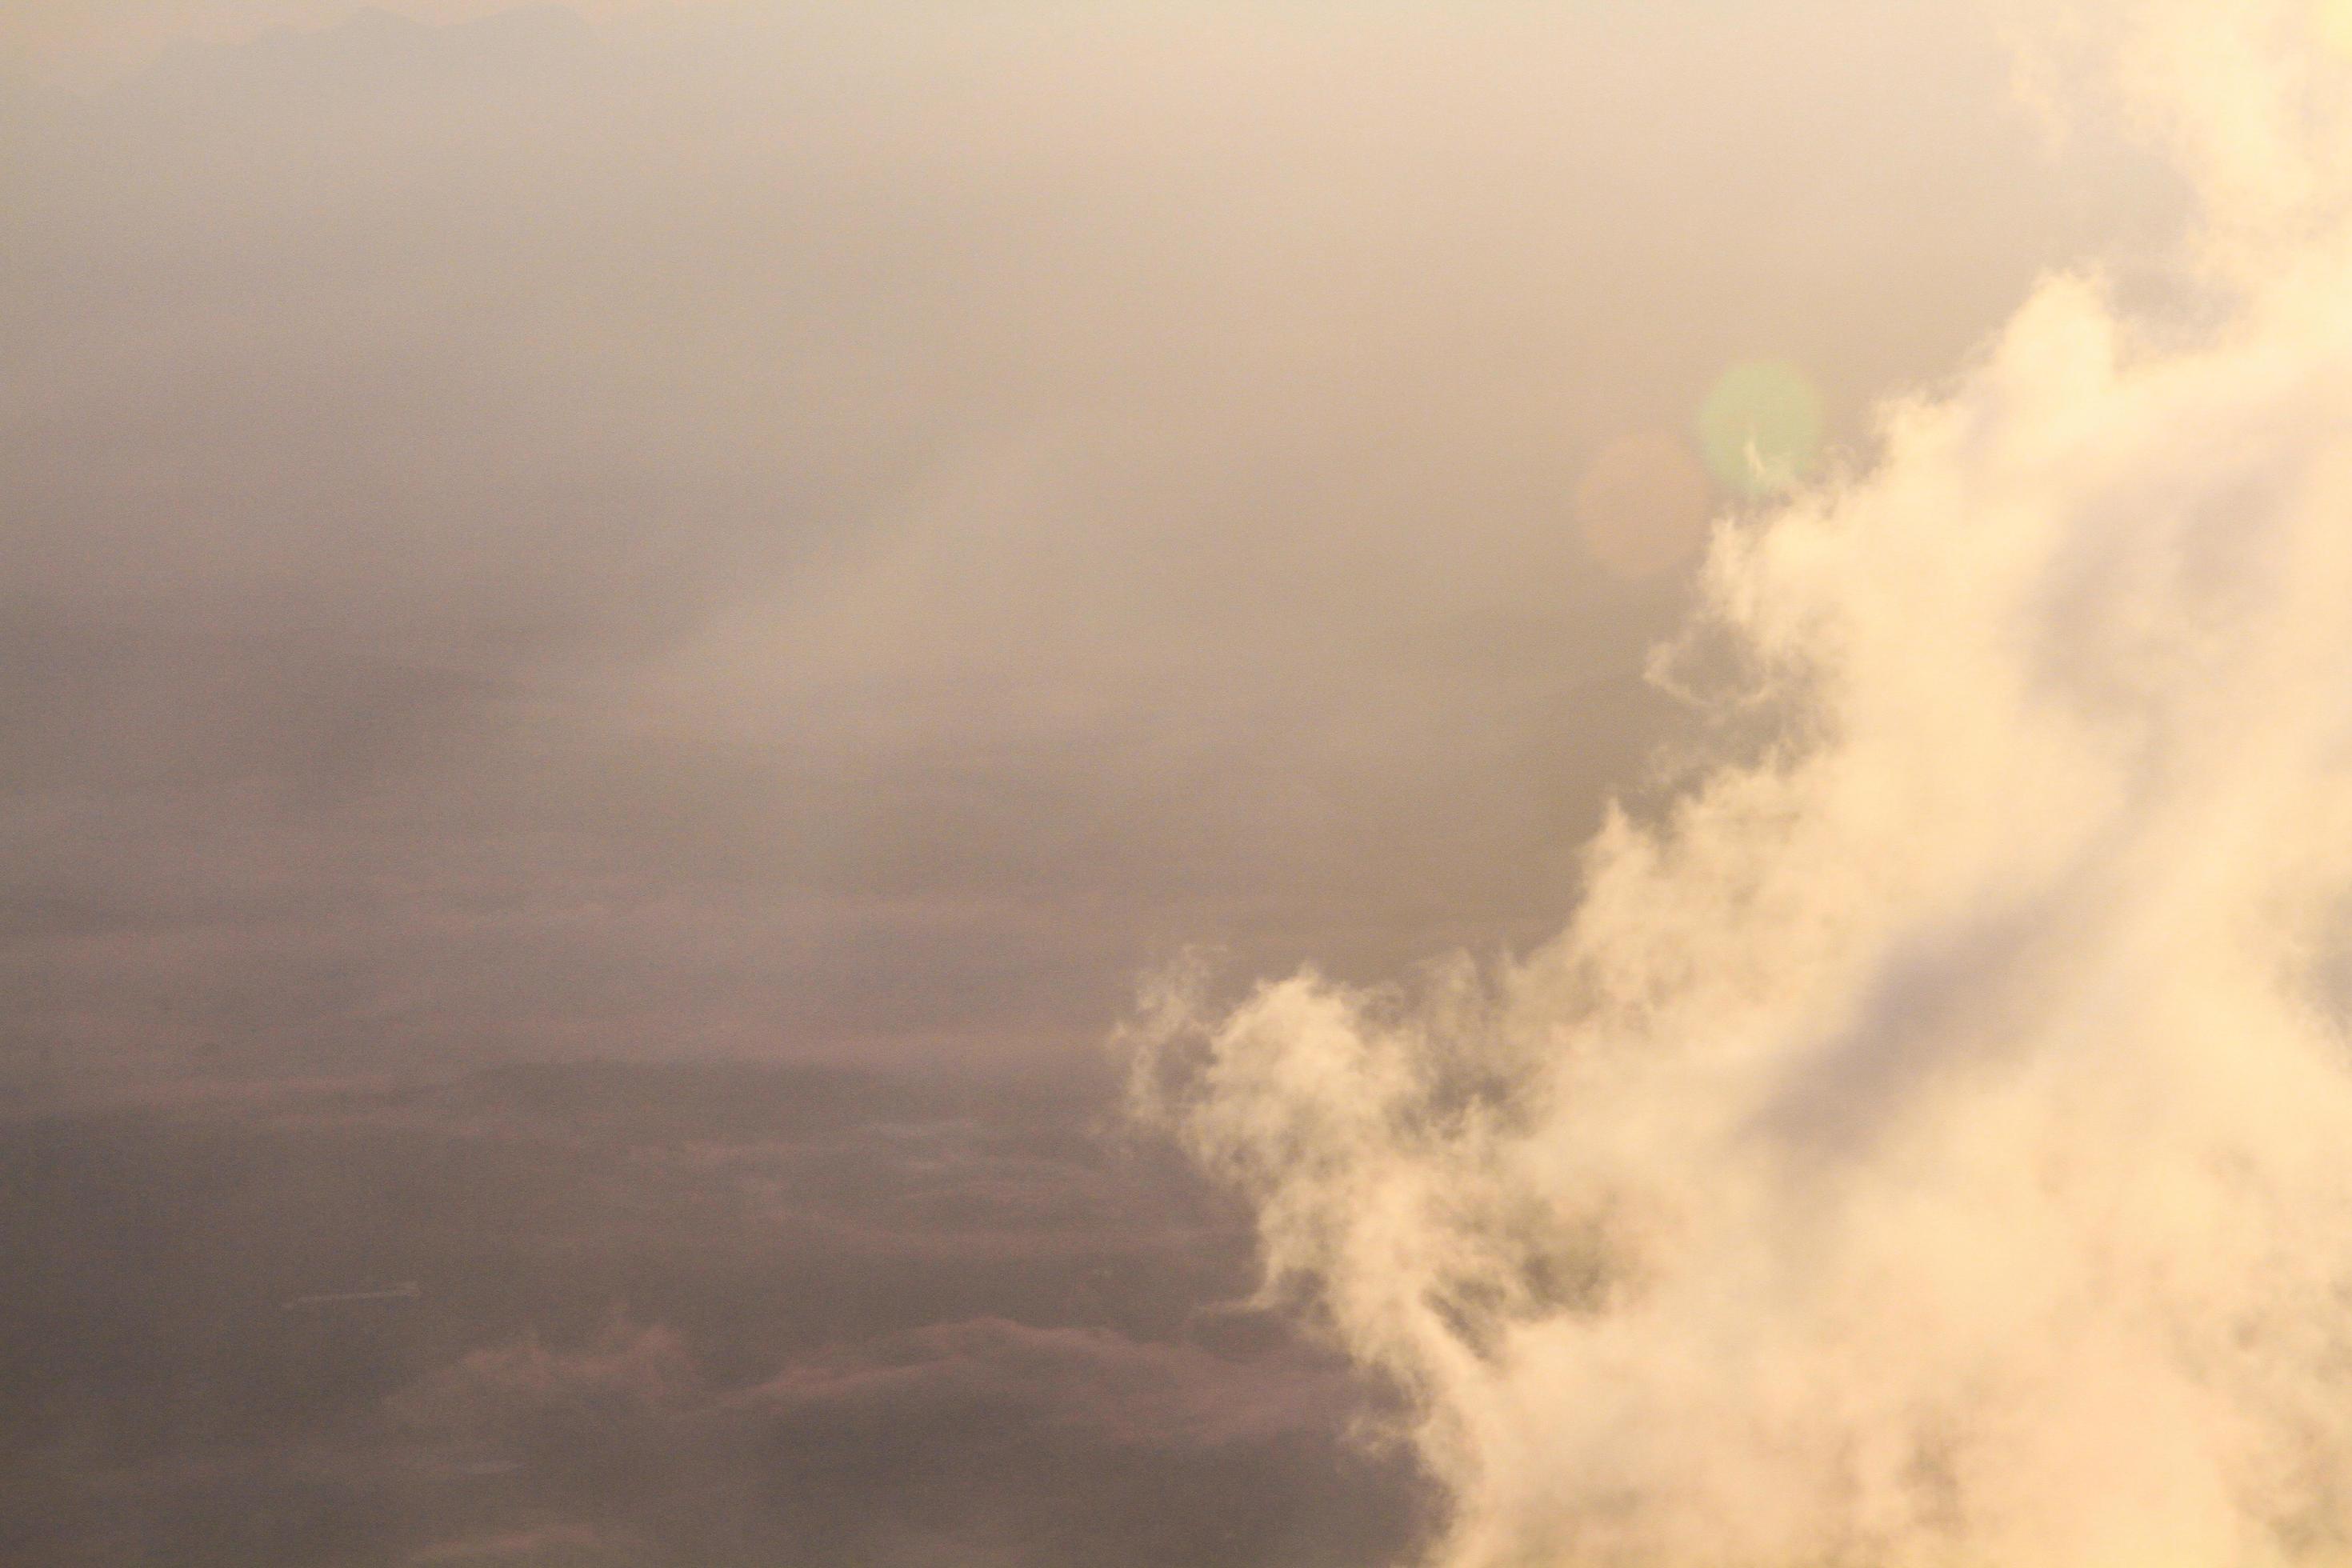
(827, 531)
(814, 544)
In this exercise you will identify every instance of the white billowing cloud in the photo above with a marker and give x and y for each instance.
(1930, 1140)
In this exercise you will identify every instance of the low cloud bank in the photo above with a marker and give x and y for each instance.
(612, 1315)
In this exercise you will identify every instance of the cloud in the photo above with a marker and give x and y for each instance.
(1924, 1143)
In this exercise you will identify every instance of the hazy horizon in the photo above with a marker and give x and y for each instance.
(627, 630)
(824, 530)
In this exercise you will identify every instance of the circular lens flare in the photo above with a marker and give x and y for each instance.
(1642, 505)
(1760, 429)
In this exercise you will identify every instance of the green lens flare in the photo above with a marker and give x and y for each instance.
(1760, 428)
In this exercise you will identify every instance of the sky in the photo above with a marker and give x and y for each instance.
(830, 531)
(624, 630)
